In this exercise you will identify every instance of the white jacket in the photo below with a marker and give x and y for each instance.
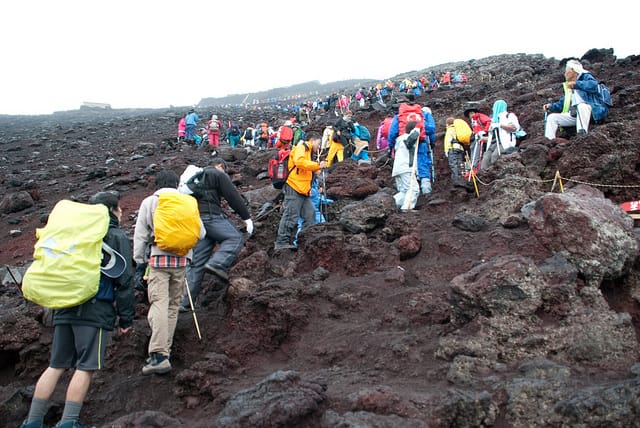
(402, 156)
(506, 138)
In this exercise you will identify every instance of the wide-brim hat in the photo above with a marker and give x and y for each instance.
(471, 106)
(113, 264)
(470, 110)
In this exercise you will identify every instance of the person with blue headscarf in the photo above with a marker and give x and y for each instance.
(501, 137)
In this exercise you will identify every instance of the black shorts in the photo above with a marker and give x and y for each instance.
(78, 346)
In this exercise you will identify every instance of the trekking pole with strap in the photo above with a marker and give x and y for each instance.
(498, 142)
(433, 167)
(323, 210)
(475, 157)
(193, 309)
(408, 198)
(489, 140)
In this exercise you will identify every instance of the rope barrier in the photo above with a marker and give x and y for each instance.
(557, 180)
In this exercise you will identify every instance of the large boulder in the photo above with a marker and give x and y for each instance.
(588, 230)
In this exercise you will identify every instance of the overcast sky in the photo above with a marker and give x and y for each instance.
(142, 53)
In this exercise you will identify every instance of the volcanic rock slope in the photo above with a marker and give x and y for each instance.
(516, 306)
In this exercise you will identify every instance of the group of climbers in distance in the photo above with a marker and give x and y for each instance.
(470, 144)
(260, 135)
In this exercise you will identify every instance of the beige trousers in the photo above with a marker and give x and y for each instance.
(165, 290)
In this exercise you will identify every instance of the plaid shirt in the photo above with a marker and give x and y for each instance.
(168, 261)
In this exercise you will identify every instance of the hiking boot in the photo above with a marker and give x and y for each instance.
(582, 132)
(183, 309)
(216, 271)
(158, 364)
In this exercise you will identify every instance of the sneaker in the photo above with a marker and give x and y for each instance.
(582, 132)
(157, 364)
(217, 272)
(285, 247)
(32, 424)
(183, 309)
(69, 424)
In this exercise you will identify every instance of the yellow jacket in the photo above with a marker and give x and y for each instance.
(301, 175)
(449, 137)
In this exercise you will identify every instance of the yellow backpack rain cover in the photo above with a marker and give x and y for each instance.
(68, 253)
(463, 131)
(176, 223)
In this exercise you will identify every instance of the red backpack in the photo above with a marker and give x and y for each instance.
(279, 169)
(384, 127)
(411, 113)
(286, 134)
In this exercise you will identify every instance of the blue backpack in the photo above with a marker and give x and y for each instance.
(604, 95)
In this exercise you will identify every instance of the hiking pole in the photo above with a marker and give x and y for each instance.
(324, 191)
(433, 167)
(193, 309)
(498, 142)
(14, 279)
(325, 212)
(482, 160)
(579, 118)
(473, 157)
(472, 176)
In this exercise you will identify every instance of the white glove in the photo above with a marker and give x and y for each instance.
(249, 224)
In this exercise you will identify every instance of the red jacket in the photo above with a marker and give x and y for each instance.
(480, 122)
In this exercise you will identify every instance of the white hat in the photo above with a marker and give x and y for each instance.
(113, 264)
(426, 110)
(287, 123)
(574, 65)
(214, 117)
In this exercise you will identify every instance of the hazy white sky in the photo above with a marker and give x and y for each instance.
(142, 53)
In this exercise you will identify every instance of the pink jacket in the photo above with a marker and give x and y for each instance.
(182, 126)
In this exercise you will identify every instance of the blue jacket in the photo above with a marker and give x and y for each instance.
(192, 119)
(424, 157)
(587, 88)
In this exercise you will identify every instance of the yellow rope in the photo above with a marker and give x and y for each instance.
(557, 179)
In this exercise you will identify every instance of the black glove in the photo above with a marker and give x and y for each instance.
(411, 140)
(140, 282)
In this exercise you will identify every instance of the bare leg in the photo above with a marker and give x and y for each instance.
(47, 383)
(79, 386)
